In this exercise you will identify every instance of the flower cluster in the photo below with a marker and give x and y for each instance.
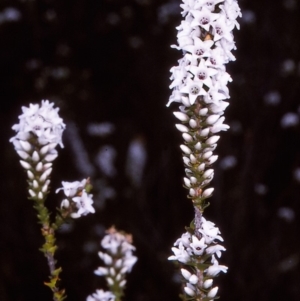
(77, 199)
(198, 251)
(118, 259)
(38, 132)
(199, 84)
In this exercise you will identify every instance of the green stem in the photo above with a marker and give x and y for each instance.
(49, 248)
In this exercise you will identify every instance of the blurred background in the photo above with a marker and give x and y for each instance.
(106, 65)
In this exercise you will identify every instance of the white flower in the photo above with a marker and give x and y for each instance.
(198, 246)
(204, 18)
(203, 74)
(185, 239)
(101, 295)
(216, 249)
(193, 89)
(215, 268)
(209, 231)
(72, 188)
(198, 50)
(83, 204)
(180, 254)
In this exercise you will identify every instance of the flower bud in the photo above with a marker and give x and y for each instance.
(30, 175)
(212, 119)
(193, 123)
(23, 154)
(187, 182)
(185, 149)
(198, 146)
(212, 159)
(32, 193)
(193, 180)
(208, 173)
(203, 112)
(25, 164)
(207, 283)
(45, 175)
(35, 184)
(207, 155)
(207, 192)
(212, 140)
(181, 116)
(187, 137)
(25, 145)
(186, 274)
(186, 160)
(201, 167)
(189, 291)
(204, 132)
(39, 166)
(193, 279)
(213, 292)
(192, 192)
(182, 128)
(35, 156)
(193, 158)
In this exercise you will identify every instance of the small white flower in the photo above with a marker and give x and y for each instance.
(198, 246)
(204, 18)
(83, 204)
(101, 295)
(180, 254)
(216, 249)
(72, 188)
(193, 89)
(215, 268)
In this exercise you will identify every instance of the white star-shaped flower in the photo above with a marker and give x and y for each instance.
(198, 245)
(193, 89)
(203, 74)
(83, 204)
(198, 50)
(204, 18)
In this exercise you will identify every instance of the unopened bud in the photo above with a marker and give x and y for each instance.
(207, 283)
(198, 146)
(207, 192)
(182, 128)
(212, 119)
(187, 137)
(193, 123)
(207, 155)
(212, 140)
(203, 112)
(185, 149)
(204, 132)
(187, 182)
(181, 116)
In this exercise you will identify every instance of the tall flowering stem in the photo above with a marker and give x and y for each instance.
(38, 133)
(199, 84)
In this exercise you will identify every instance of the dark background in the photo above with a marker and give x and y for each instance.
(108, 61)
